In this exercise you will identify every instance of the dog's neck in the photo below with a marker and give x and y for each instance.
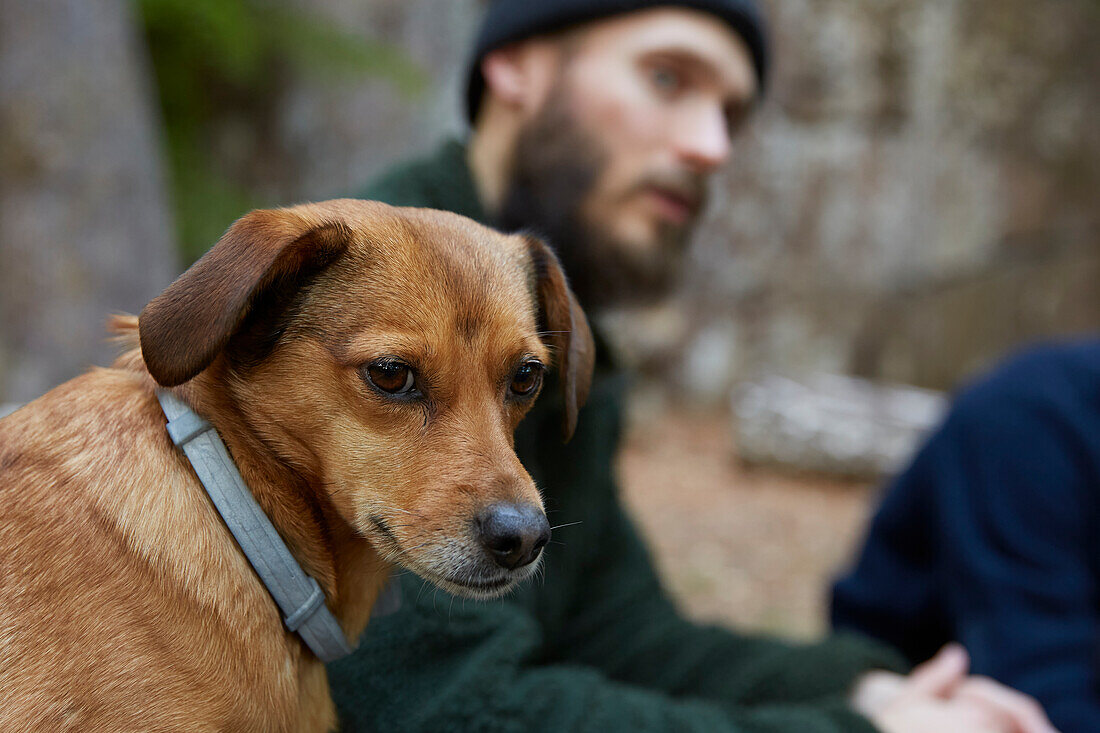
(347, 567)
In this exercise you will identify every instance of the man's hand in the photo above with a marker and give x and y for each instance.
(939, 697)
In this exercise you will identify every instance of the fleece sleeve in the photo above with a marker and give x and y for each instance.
(477, 667)
(625, 626)
(603, 607)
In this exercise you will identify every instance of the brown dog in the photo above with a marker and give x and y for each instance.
(366, 367)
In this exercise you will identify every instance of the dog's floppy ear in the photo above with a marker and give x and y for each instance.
(184, 328)
(567, 331)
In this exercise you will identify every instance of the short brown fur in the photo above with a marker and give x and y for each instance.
(126, 603)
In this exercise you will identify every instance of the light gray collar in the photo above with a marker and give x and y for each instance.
(297, 594)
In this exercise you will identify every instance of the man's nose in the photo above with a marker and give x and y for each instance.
(704, 141)
(513, 534)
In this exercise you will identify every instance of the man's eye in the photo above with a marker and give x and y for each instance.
(665, 80)
(391, 376)
(527, 378)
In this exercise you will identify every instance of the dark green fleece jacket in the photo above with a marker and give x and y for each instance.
(594, 644)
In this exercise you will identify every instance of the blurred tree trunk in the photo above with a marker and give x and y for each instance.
(85, 228)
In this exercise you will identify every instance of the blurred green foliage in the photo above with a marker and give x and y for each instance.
(219, 62)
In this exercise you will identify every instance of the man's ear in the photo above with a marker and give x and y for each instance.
(184, 328)
(522, 74)
(503, 73)
(566, 331)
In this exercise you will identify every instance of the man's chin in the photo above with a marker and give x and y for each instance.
(648, 238)
(641, 271)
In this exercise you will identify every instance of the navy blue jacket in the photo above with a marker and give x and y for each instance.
(992, 536)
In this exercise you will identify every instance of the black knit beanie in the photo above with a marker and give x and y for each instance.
(508, 21)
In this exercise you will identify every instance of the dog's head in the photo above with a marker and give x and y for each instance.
(386, 355)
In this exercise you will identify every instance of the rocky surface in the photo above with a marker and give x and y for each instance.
(85, 229)
(917, 196)
(828, 424)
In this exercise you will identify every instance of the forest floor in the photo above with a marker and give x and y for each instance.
(751, 548)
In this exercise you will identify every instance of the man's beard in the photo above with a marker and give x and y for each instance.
(556, 166)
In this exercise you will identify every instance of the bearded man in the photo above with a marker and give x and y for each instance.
(595, 124)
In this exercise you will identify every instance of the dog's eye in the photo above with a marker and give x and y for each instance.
(392, 376)
(527, 378)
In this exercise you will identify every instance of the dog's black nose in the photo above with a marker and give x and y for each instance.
(514, 534)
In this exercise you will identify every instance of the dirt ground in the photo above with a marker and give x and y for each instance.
(751, 548)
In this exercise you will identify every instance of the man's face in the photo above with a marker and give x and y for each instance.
(612, 163)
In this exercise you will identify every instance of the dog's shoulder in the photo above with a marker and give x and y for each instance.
(101, 511)
(68, 435)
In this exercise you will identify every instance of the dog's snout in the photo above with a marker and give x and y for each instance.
(514, 534)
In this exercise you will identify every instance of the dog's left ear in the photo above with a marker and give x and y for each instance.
(567, 331)
(184, 328)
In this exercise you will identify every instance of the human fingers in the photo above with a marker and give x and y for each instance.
(940, 675)
(1023, 711)
(876, 689)
(935, 715)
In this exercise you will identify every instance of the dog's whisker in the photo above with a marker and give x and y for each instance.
(567, 524)
(420, 593)
(403, 511)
